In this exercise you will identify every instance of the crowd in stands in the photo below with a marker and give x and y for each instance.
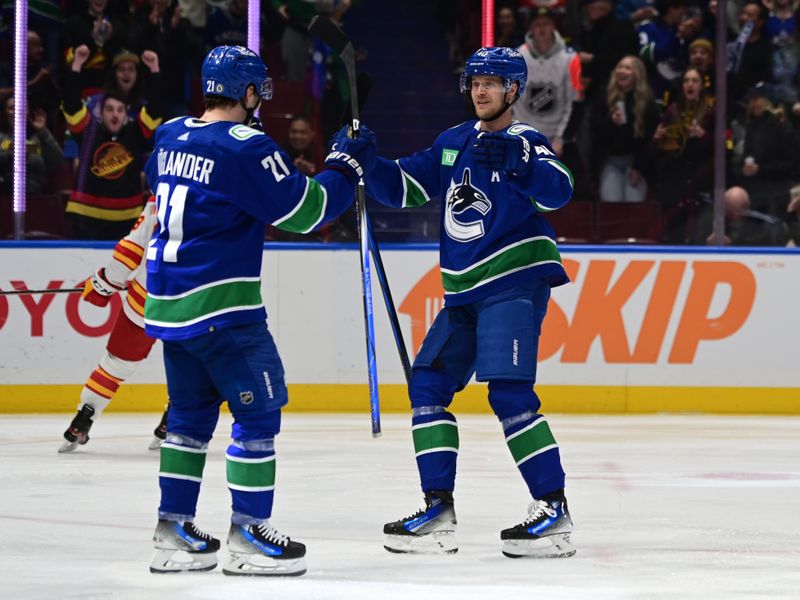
(626, 92)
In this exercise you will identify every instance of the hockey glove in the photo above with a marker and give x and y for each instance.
(98, 289)
(354, 157)
(255, 123)
(503, 152)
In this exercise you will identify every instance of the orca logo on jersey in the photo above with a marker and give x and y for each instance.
(462, 197)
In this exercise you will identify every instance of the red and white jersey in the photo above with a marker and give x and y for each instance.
(126, 268)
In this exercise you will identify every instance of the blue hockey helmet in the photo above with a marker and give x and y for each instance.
(228, 70)
(500, 62)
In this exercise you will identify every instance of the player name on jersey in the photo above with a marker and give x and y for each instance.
(183, 164)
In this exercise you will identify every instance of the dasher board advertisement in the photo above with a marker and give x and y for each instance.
(636, 330)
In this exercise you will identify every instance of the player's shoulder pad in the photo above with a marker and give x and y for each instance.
(455, 131)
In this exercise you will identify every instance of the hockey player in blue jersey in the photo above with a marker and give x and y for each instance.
(499, 259)
(217, 182)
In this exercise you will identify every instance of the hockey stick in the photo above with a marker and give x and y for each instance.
(364, 85)
(387, 300)
(53, 291)
(326, 31)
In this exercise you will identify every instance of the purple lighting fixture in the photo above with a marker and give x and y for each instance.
(254, 26)
(20, 114)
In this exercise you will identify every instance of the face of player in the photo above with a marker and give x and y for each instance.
(692, 85)
(700, 58)
(488, 95)
(624, 75)
(114, 115)
(126, 75)
(300, 134)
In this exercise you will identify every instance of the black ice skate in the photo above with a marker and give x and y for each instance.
(544, 534)
(430, 530)
(160, 432)
(78, 431)
(182, 547)
(262, 550)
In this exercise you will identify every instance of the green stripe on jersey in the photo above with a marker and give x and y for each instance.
(559, 166)
(215, 299)
(251, 475)
(181, 462)
(309, 211)
(437, 436)
(520, 255)
(413, 193)
(531, 441)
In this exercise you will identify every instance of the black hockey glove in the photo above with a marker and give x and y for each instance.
(255, 123)
(353, 157)
(503, 152)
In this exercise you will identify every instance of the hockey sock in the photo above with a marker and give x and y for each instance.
(528, 435)
(435, 434)
(251, 479)
(180, 475)
(535, 451)
(103, 383)
(434, 430)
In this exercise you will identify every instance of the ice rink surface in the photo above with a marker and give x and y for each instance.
(664, 507)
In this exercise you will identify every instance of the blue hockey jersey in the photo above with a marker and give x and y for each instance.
(216, 185)
(493, 234)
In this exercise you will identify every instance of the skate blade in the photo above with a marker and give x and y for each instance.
(180, 561)
(155, 444)
(443, 542)
(551, 546)
(67, 447)
(259, 565)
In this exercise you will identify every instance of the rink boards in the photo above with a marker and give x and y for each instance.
(638, 330)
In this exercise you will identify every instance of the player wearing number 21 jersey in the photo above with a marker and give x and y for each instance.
(217, 182)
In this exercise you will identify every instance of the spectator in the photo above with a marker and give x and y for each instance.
(764, 158)
(636, 11)
(227, 25)
(554, 80)
(603, 41)
(103, 34)
(301, 147)
(507, 29)
(42, 89)
(753, 56)
(295, 42)
(625, 123)
(781, 31)
(43, 151)
(162, 29)
(662, 44)
(701, 57)
(743, 227)
(108, 194)
(684, 155)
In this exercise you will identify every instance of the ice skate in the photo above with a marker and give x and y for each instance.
(543, 534)
(78, 432)
(160, 432)
(182, 547)
(262, 550)
(430, 530)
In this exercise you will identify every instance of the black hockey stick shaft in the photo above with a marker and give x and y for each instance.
(389, 302)
(53, 291)
(327, 31)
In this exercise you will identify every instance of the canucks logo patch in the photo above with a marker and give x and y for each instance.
(465, 207)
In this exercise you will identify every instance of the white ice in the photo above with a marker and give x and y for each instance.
(664, 507)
